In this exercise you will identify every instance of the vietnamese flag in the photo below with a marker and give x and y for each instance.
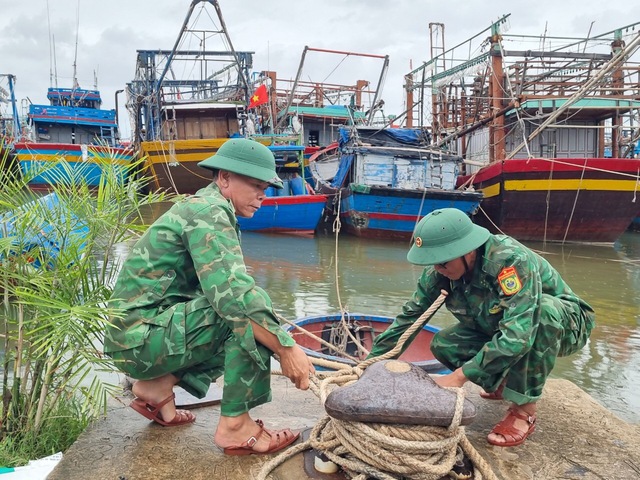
(259, 97)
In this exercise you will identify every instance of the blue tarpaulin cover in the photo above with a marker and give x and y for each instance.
(389, 137)
(343, 169)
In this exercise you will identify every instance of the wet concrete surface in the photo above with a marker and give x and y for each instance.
(576, 438)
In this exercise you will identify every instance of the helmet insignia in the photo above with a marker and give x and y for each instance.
(418, 242)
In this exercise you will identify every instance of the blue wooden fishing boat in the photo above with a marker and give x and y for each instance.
(296, 208)
(388, 179)
(365, 328)
(73, 127)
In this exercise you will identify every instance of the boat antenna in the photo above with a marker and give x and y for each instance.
(50, 48)
(75, 56)
(586, 40)
(55, 62)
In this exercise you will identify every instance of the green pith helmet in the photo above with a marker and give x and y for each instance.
(444, 235)
(245, 157)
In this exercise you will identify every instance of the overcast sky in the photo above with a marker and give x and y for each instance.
(277, 31)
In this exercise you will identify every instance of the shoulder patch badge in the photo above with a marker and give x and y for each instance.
(509, 281)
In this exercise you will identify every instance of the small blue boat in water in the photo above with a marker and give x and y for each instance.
(364, 328)
(388, 179)
(294, 209)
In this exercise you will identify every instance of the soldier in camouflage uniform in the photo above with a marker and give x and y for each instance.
(515, 315)
(191, 312)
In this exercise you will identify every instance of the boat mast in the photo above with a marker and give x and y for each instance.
(293, 91)
(376, 95)
(497, 135)
(75, 56)
(51, 52)
(183, 30)
(245, 80)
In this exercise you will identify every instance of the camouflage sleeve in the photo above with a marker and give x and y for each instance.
(427, 291)
(517, 330)
(217, 257)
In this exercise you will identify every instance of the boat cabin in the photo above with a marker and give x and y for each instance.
(73, 117)
(193, 121)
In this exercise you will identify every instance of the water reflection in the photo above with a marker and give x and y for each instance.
(374, 277)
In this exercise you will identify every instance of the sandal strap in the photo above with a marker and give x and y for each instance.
(251, 441)
(158, 406)
(522, 415)
(275, 440)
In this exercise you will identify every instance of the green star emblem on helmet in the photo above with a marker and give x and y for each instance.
(444, 235)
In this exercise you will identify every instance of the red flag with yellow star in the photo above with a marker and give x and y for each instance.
(259, 97)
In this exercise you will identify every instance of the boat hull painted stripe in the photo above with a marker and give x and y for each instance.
(572, 184)
(381, 214)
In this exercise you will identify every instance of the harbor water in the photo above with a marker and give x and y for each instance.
(310, 276)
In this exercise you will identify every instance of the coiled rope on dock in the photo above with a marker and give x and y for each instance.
(385, 451)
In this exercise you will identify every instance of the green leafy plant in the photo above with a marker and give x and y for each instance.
(58, 261)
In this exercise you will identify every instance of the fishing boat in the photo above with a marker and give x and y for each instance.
(185, 103)
(294, 209)
(547, 133)
(180, 121)
(75, 128)
(332, 329)
(388, 179)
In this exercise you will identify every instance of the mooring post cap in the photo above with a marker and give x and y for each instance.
(393, 391)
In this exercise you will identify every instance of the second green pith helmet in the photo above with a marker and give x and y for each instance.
(444, 235)
(245, 157)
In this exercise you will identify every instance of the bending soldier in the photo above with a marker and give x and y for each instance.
(515, 315)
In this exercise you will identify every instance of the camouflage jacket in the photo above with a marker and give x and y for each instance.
(190, 254)
(501, 299)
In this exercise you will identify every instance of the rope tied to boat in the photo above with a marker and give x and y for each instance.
(381, 450)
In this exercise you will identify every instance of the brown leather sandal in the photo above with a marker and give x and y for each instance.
(152, 412)
(511, 435)
(280, 439)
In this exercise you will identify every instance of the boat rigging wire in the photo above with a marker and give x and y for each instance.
(517, 108)
(343, 322)
(575, 201)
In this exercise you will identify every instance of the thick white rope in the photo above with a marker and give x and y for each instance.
(385, 451)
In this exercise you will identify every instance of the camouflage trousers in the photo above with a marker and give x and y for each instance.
(563, 329)
(211, 351)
